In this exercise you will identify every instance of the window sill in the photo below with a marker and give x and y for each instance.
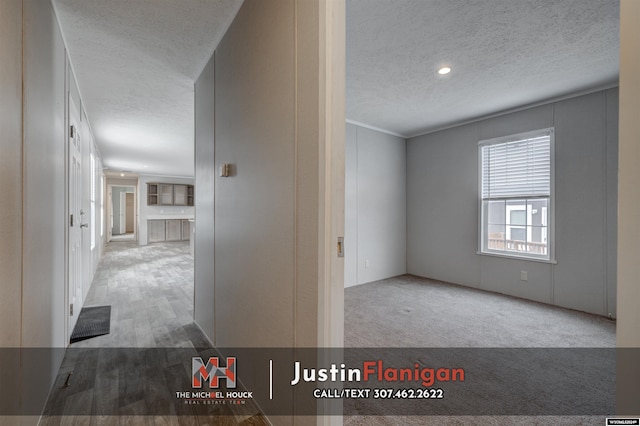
(513, 256)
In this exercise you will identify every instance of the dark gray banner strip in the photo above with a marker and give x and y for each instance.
(287, 381)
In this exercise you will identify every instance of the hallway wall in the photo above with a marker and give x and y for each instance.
(274, 283)
(205, 176)
(254, 209)
(34, 79)
(44, 183)
(32, 262)
(11, 207)
(10, 170)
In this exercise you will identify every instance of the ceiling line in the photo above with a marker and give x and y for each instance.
(374, 128)
(520, 108)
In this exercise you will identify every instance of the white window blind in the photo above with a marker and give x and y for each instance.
(519, 168)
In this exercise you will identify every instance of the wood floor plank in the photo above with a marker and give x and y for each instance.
(128, 376)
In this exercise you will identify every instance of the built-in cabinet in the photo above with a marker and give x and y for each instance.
(156, 230)
(169, 194)
(173, 230)
(168, 230)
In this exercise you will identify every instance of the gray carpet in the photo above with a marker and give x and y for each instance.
(409, 312)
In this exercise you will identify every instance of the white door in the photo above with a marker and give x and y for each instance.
(110, 207)
(123, 213)
(75, 220)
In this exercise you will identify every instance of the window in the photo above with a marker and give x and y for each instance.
(101, 206)
(516, 181)
(92, 218)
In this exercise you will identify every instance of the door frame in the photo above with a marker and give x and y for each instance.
(122, 214)
(73, 121)
(109, 209)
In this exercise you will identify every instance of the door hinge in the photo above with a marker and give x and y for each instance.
(71, 221)
(72, 131)
(71, 310)
(340, 246)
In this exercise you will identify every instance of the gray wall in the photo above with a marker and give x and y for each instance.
(44, 189)
(375, 206)
(442, 213)
(33, 214)
(11, 207)
(274, 221)
(10, 170)
(35, 80)
(204, 271)
(254, 209)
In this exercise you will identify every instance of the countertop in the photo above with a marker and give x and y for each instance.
(169, 216)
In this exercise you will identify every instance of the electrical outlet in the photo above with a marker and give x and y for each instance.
(523, 276)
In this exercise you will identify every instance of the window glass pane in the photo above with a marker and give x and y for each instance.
(538, 240)
(538, 211)
(518, 234)
(518, 217)
(495, 212)
(516, 245)
(495, 237)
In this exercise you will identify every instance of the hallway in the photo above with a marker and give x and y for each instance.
(135, 370)
(150, 290)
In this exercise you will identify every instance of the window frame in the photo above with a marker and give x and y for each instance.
(550, 223)
(101, 207)
(92, 199)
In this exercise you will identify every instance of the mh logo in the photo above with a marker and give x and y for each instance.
(211, 371)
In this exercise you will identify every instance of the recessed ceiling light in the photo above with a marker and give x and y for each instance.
(444, 70)
(121, 174)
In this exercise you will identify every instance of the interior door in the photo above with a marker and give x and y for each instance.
(123, 214)
(129, 213)
(110, 207)
(74, 222)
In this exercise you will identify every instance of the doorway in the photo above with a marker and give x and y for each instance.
(122, 213)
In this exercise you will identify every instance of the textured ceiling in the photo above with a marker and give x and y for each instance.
(136, 62)
(504, 54)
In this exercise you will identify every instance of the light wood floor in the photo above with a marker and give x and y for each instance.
(150, 290)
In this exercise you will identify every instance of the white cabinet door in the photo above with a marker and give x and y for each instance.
(180, 195)
(155, 230)
(174, 230)
(186, 230)
(166, 194)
